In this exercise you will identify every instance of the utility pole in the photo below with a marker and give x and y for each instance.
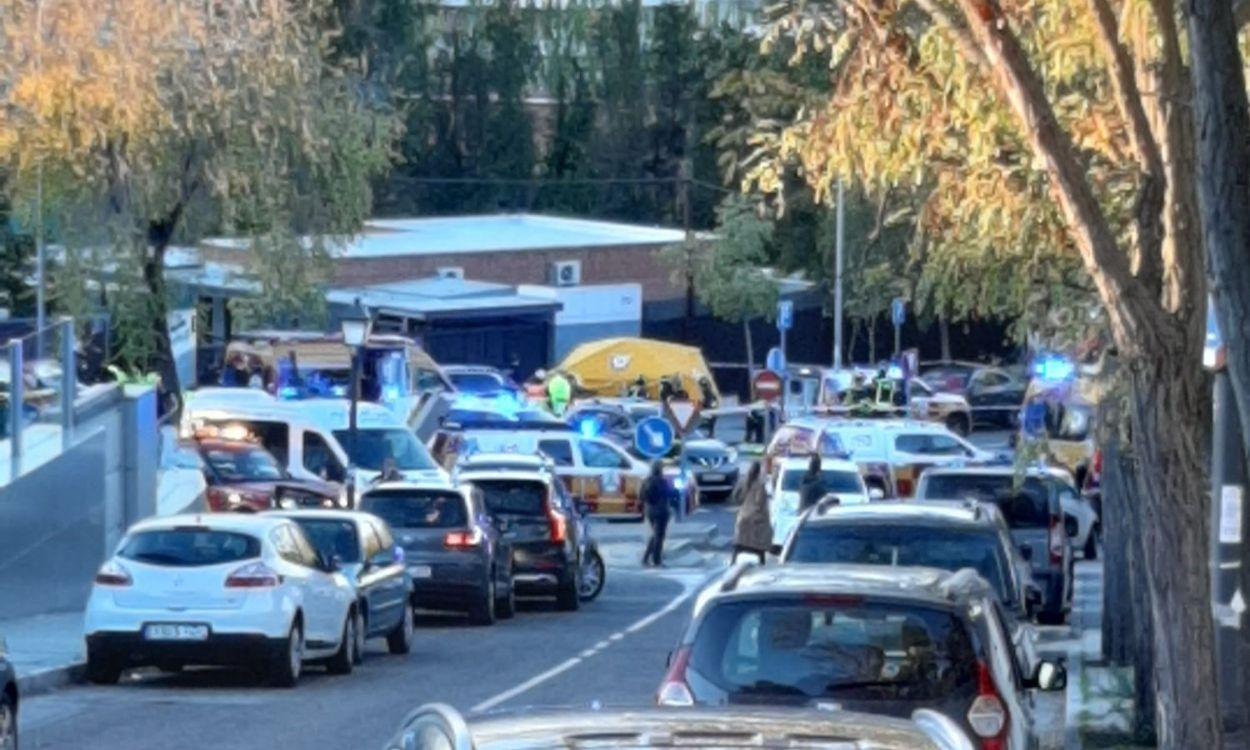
(837, 280)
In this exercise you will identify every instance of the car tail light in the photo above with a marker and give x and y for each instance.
(253, 576)
(113, 574)
(988, 716)
(559, 526)
(1055, 540)
(904, 487)
(463, 539)
(674, 691)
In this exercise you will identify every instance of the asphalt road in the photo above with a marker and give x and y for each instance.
(612, 651)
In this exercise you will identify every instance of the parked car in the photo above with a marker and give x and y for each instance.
(455, 555)
(543, 533)
(1034, 509)
(613, 418)
(712, 465)
(839, 478)
(363, 548)
(9, 701)
(902, 449)
(994, 394)
(885, 641)
(242, 476)
(438, 727)
(946, 536)
(245, 590)
(481, 380)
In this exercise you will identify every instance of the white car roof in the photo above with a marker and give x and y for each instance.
(826, 464)
(1000, 470)
(410, 484)
(355, 516)
(254, 523)
(888, 425)
(327, 414)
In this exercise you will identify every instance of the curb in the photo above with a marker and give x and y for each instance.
(46, 680)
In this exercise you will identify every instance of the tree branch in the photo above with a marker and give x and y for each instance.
(1130, 305)
(1153, 189)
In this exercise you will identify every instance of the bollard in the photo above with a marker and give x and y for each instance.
(17, 398)
(69, 381)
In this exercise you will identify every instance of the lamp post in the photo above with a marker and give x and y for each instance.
(356, 325)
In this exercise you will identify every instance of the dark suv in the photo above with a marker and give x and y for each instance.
(538, 524)
(861, 638)
(1031, 502)
(455, 555)
(947, 536)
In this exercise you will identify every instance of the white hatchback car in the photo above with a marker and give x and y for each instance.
(839, 477)
(226, 590)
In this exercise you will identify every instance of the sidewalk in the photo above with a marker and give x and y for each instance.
(46, 650)
(688, 544)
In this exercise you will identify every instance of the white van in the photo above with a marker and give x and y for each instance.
(312, 438)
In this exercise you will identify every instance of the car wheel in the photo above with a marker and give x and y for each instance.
(505, 606)
(1091, 544)
(345, 658)
(288, 661)
(102, 670)
(592, 577)
(567, 595)
(362, 635)
(483, 613)
(958, 424)
(399, 641)
(8, 722)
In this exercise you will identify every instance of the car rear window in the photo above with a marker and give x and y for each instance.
(901, 545)
(514, 497)
(332, 538)
(839, 482)
(189, 548)
(416, 509)
(244, 465)
(1024, 506)
(840, 647)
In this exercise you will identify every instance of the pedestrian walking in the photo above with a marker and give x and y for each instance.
(753, 531)
(657, 497)
(813, 486)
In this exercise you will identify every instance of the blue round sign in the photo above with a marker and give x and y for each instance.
(653, 437)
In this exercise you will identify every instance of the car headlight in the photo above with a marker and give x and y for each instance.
(288, 503)
(234, 498)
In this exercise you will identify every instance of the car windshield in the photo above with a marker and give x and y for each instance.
(953, 378)
(900, 545)
(848, 647)
(1024, 506)
(374, 446)
(189, 548)
(417, 509)
(244, 465)
(513, 497)
(332, 538)
(831, 481)
(477, 382)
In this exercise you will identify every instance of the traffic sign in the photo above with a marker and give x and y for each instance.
(898, 311)
(681, 413)
(785, 315)
(776, 360)
(653, 437)
(767, 385)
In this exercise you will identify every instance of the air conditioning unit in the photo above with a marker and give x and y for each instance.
(451, 272)
(566, 273)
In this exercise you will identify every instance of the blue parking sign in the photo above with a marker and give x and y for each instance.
(785, 315)
(653, 437)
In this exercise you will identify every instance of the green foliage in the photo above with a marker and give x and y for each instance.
(729, 275)
(292, 284)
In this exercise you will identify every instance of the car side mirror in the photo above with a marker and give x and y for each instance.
(1050, 677)
(1026, 552)
(383, 559)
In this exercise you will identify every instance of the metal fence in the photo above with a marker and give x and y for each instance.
(38, 383)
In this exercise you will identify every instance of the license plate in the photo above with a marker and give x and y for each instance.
(713, 477)
(175, 632)
(420, 571)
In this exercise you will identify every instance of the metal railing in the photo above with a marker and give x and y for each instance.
(38, 384)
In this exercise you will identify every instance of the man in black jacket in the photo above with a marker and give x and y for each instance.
(657, 497)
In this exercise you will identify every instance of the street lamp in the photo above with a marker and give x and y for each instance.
(356, 325)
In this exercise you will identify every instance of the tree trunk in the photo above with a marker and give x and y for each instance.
(1222, 120)
(850, 350)
(1170, 417)
(170, 390)
(746, 337)
(871, 325)
(944, 332)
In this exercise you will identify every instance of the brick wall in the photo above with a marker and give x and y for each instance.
(600, 265)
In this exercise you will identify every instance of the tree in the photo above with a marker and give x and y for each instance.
(673, 79)
(508, 148)
(157, 119)
(1027, 120)
(620, 148)
(729, 276)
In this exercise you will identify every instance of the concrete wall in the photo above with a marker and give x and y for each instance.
(59, 521)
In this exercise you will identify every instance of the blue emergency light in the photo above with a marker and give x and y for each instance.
(1054, 368)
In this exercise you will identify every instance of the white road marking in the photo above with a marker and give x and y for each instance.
(688, 590)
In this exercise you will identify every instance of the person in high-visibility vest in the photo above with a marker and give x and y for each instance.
(559, 393)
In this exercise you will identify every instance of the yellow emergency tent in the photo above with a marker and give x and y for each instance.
(609, 367)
